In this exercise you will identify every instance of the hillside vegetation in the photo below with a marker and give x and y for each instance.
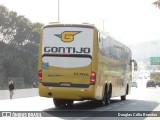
(19, 40)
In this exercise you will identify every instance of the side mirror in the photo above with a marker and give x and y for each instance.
(135, 66)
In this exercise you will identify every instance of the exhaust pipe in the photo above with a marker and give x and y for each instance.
(49, 94)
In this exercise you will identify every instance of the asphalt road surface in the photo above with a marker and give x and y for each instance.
(141, 99)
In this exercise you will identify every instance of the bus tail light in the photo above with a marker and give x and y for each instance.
(93, 78)
(40, 75)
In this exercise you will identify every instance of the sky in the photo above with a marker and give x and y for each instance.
(129, 21)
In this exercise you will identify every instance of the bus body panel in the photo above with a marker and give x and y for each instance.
(67, 92)
(73, 76)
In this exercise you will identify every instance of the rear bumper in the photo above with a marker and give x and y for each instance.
(73, 93)
(150, 85)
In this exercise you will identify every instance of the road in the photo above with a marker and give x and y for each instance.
(141, 99)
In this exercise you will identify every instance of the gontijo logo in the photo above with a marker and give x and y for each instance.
(67, 36)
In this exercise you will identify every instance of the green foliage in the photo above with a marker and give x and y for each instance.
(7, 24)
(19, 40)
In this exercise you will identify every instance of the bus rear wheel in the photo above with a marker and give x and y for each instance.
(69, 103)
(105, 100)
(123, 98)
(62, 102)
(59, 102)
(108, 100)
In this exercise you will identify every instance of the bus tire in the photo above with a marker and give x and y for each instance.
(58, 102)
(108, 99)
(105, 100)
(69, 103)
(123, 98)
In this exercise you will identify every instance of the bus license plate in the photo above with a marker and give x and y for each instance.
(65, 84)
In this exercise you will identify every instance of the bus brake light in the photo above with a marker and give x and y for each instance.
(93, 78)
(40, 75)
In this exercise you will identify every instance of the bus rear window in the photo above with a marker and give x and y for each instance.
(58, 42)
(67, 62)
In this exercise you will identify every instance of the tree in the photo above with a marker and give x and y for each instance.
(19, 40)
(7, 24)
(35, 34)
(23, 29)
(157, 3)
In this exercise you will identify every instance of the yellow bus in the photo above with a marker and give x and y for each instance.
(78, 62)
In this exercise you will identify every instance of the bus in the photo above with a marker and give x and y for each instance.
(79, 62)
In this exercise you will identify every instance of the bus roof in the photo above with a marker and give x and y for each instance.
(56, 24)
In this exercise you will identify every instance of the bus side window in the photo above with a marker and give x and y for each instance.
(100, 39)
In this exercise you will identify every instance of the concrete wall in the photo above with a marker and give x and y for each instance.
(19, 93)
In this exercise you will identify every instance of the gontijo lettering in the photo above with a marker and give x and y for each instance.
(66, 50)
(67, 36)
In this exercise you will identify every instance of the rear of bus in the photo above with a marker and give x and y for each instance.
(65, 62)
